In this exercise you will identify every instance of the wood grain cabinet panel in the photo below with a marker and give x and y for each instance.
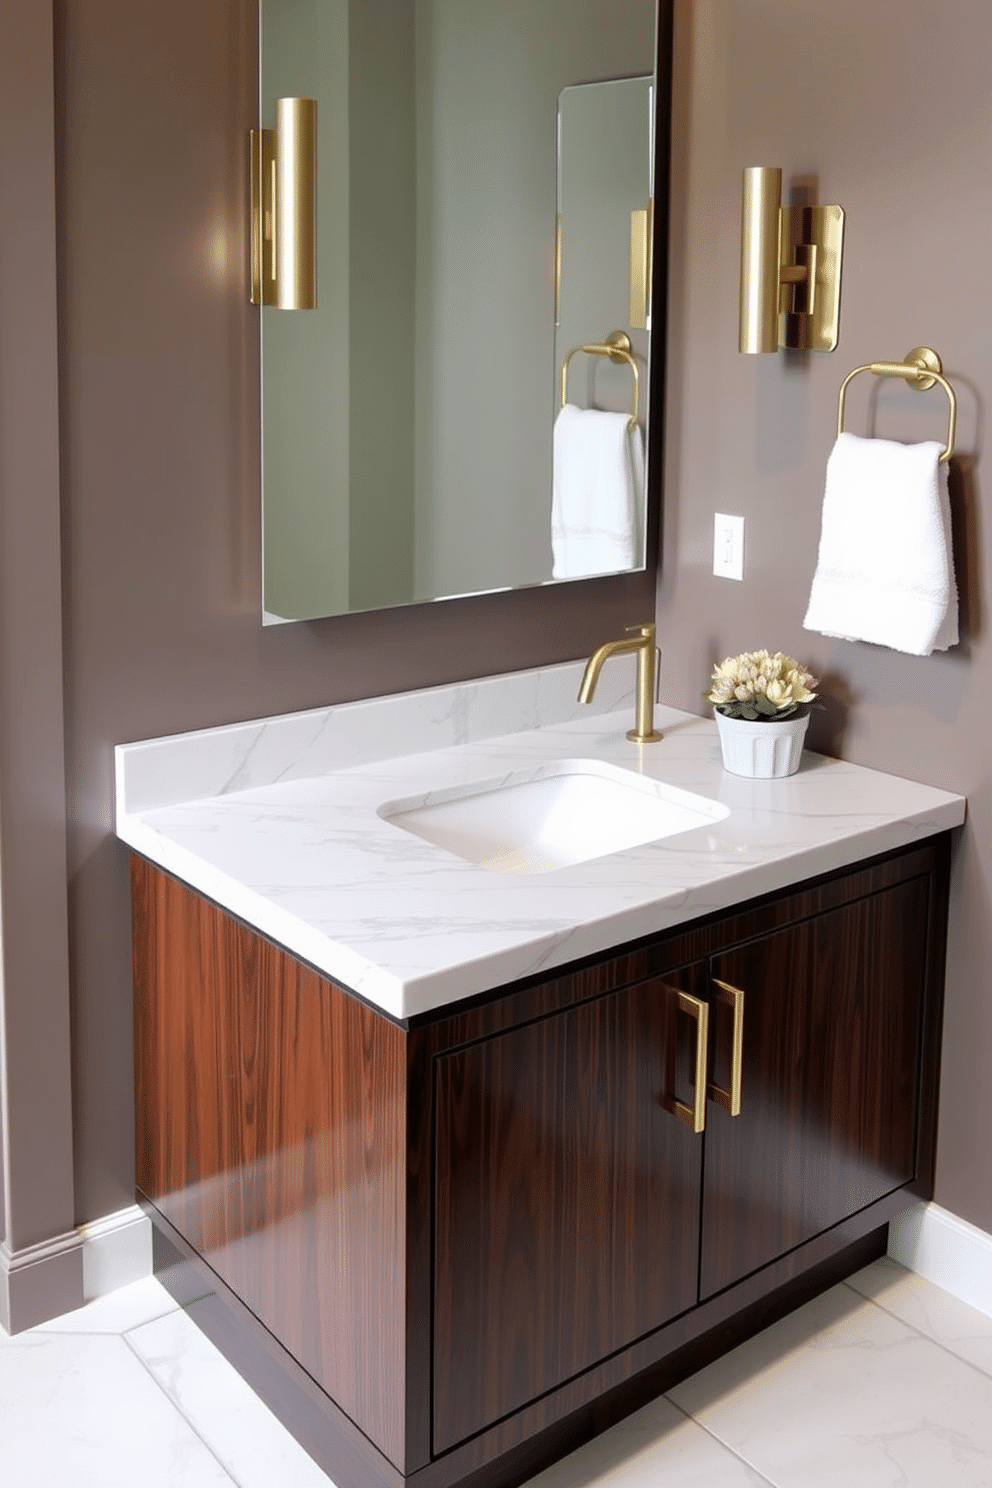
(270, 1115)
(832, 1019)
(567, 1203)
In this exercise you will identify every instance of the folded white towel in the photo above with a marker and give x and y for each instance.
(885, 570)
(598, 493)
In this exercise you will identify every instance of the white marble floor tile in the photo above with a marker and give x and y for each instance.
(83, 1411)
(658, 1445)
(254, 1447)
(884, 1381)
(128, 1307)
(925, 1307)
(843, 1392)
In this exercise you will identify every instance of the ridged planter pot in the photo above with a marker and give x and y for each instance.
(765, 751)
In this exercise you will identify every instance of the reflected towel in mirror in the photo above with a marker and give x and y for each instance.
(597, 496)
(885, 569)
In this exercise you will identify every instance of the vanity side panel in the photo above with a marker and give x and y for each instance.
(271, 1133)
(932, 1021)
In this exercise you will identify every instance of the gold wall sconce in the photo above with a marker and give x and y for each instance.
(790, 268)
(284, 208)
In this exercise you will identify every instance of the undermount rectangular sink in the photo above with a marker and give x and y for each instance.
(537, 820)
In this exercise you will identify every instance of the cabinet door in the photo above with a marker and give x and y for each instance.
(828, 1100)
(566, 1203)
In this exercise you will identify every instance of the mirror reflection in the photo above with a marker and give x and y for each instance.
(482, 179)
(605, 155)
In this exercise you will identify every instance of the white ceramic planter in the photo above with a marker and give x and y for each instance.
(762, 750)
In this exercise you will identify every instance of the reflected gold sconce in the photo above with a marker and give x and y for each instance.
(284, 208)
(790, 268)
(641, 225)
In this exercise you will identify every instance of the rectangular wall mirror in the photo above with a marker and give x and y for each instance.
(484, 192)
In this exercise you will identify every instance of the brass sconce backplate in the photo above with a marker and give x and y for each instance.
(790, 268)
(809, 311)
(263, 195)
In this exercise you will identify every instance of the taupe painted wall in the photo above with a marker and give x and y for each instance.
(887, 104)
(161, 490)
(35, 1106)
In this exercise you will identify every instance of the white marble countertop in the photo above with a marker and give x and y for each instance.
(276, 821)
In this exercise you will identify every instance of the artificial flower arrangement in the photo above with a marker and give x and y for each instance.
(760, 687)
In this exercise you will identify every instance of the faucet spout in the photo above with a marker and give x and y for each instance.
(640, 641)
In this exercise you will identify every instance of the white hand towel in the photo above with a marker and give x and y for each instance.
(598, 491)
(885, 570)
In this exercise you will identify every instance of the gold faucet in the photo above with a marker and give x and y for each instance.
(639, 638)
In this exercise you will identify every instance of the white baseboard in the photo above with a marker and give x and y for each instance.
(44, 1281)
(954, 1255)
(116, 1251)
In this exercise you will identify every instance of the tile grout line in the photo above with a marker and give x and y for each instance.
(174, 1403)
(926, 1337)
(725, 1445)
(47, 1331)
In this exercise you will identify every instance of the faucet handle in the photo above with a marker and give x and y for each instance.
(646, 630)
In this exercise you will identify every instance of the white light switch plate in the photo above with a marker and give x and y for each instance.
(728, 546)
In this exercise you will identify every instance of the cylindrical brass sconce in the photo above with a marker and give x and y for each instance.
(760, 278)
(640, 267)
(296, 204)
(790, 268)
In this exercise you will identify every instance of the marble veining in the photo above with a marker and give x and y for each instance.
(889, 1429)
(279, 824)
(297, 746)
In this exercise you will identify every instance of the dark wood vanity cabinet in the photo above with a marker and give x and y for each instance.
(450, 1250)
(575, 1212)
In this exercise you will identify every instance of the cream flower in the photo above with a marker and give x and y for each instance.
(758, 685)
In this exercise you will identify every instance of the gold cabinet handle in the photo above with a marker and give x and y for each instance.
(694, 1116)
(730, 1099)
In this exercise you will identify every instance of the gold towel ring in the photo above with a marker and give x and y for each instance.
(617, 348)
(921, 369)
